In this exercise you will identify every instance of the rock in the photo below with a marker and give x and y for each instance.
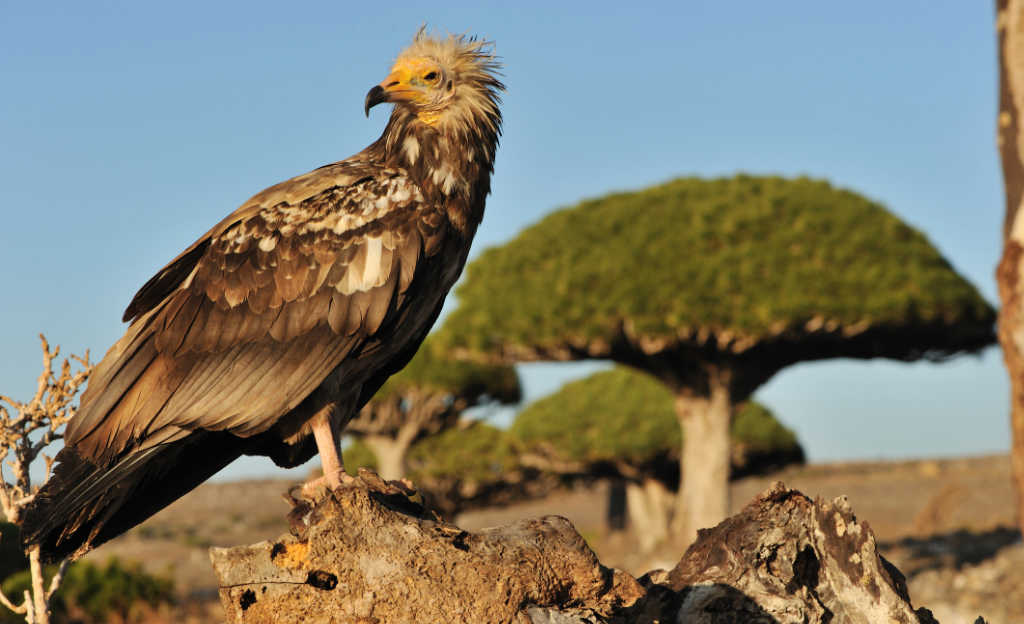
(370, 555)
(786, 558)
(361, 557)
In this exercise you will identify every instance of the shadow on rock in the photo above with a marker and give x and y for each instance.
(950, 550)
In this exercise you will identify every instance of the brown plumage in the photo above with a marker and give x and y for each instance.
(288, 315)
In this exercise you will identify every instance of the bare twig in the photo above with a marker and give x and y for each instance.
(58, 577)
(10, 605)
(25, 430)
(43, 418)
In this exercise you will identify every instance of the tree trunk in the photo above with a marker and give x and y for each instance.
(649, 505)
(1010, 26)
(703, 498)
(390, 454)
(615, 514)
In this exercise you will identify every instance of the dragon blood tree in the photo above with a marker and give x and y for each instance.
(426, 397)
(470, 466)
(621, 423)
(713, 286)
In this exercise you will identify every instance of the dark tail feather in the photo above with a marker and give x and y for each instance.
(83, 506)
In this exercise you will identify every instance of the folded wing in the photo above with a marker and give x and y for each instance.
(235, 333)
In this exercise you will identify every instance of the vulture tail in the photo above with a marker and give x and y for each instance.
(84, 505)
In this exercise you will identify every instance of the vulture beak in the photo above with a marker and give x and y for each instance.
(376, 95)
(397, 87)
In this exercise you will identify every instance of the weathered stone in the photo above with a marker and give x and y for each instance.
(786, 558)
(370, 555)
(359, 559)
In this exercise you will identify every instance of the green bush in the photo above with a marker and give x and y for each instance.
(93, 594)
(12, 559)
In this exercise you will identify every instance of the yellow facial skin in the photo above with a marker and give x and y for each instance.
(416, 80)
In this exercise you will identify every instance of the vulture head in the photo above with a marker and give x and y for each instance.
(444, 82)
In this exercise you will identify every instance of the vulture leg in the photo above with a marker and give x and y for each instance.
(327, 437)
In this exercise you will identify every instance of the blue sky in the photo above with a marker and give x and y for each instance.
(127, 129)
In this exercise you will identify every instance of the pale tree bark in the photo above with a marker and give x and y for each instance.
(390, 453)
(703, 498)
(1010, 273)
(649, 506)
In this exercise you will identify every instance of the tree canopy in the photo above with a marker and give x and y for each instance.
(433, 370)
(713, 286)
(730, 263)
(626, 415)
(478, 452)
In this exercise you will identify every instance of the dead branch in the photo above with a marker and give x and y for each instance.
(26, 428)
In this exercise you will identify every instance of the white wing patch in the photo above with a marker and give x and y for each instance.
(445, 178)
(412, 148)
(268, 243)
(369, 268)
(372, 270)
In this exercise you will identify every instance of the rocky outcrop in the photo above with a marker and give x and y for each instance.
(371, 555)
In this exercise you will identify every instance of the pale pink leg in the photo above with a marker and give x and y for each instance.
(327, 445)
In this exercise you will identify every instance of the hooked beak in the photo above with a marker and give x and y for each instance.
(396, 87)
(376, 96)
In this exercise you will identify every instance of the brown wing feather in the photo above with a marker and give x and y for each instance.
(274, 301)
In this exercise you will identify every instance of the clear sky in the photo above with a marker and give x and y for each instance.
(128, 129)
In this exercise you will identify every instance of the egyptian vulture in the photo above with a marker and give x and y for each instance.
(266, 335)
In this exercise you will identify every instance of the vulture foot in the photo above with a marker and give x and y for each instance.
(316, 489)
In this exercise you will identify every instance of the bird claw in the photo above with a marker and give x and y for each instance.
(316, 489)
(375, 482)
(311, 492)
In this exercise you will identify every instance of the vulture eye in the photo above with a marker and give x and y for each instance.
(431, 76)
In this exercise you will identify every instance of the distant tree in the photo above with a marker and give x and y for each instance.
(713, 286)
(1010, 133)
(468, 466)
(622, 422)
(475, 452)
(26, 429)
(426, 397)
